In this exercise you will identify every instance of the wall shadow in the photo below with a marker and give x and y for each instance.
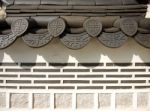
(2, 55)
(97, 52)
(122, 54)
(56, 52)
(87, 54)
(19, 52)
(140, 51)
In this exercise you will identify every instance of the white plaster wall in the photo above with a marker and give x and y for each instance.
(94, 52)
(55, 51)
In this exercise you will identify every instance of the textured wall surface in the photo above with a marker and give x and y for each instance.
(57, 78)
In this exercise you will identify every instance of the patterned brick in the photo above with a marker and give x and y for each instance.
(8, 64)
(76, 70)
(90, 76)
(75, 79)
(90, 64)
(32, 64)
(105, 70)
(133, 70)
(61, 64)
(76, 82)
(1, 70)
(46, 70)
(119, 64)
(142, 64)
(32, 87)
(89, 87)
(61, 76)
(17, 70)
(8, 75)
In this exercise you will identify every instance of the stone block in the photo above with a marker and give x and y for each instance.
(104, 101)
(124, 100)
(142, 100)
(19, 100)
(63, 101)
(85, 101)
(41, 100)
(2, 100)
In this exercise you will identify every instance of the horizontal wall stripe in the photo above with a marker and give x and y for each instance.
(61, 64)
(1, 81)
(119, 76)
(90, 64)
(142, 75)
(133, 70)
(8, 75)
(118, 87)
(17, 70)
(18, 81)
(90, 87)
(90, 76)
(142, 64)
(8, 64)
(46, 70)
(142, 87)
(46, 81)
(104, 81)
(76, 70)
(105, 70)
(33, 64)
(8, 87)
(75, 81)
(61, 87)
(32, 87)
(133, 81)
(119, 64)
(61, 76)
(1, 70)
(30, 75)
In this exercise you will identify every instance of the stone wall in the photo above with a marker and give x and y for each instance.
(57, 78)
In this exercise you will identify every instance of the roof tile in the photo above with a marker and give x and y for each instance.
(54, 2)
(28, 2)
(81, 2)
(108, 2)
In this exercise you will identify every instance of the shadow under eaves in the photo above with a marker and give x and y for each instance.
(56, 52)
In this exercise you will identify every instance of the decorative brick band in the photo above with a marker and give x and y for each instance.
(76, 76)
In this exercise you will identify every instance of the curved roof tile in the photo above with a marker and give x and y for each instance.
(110, 21)
(76, 2)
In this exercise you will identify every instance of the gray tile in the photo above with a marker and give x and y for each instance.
(108, 2)
(31, 2)
(54, 2)
(81, 2)
(129, 2)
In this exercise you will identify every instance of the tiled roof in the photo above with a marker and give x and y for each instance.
(73, 2)
(75, 22)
